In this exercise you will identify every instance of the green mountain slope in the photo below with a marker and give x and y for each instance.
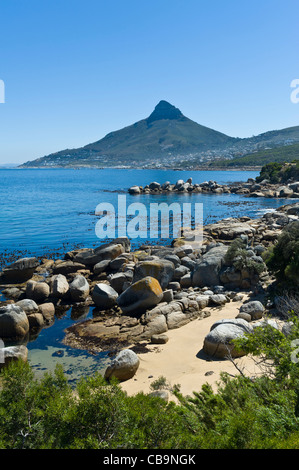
(169, 139)
(285, 153)
(165, 134)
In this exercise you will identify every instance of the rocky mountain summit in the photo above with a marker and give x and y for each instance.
(165, 139)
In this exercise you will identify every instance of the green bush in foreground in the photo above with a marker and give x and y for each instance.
(241, 413)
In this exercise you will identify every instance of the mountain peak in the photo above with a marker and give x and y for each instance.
(164, 110)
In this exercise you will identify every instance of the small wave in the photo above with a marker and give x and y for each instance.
(265, 211)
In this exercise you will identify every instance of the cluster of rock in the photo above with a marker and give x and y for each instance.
(250, 188)
(179, 187)
(139, 295)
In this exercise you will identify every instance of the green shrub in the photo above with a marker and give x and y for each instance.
(238, 413)
(237, 256)
(282, 259)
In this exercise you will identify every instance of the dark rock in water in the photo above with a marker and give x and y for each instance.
(59, 353)
(134, 190)
(48, 311)
(36, 321)
(13, 293)
(20, 271)
(154, 185)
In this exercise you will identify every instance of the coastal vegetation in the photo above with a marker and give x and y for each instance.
(242, 413)
(280, 154)
(279, 172)
(283, 258)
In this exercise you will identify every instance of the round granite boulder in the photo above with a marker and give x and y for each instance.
(104, 296)
(218, 342)
(140, 296)
(14, 322)
(124, 366)
(12, 353)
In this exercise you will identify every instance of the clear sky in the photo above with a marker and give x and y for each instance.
(75, 70)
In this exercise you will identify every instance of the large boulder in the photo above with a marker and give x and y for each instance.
(118, 281)
(154, 186)
(155, 325)
(104, 296)
(294, 186)
(36, 321)
(285, 191)
(67, 267)
(229, 229)
(218, 342)
(160, 269)
(140, 296)
(101, 266)
(123, 367)
(207, 270)
(202, 301)
(28, 305)
(14, 322)
(60, 286)
(79, 289)
(48, 312)
(37, 291)
(254, 308)
(91, 257)
(134, 190)
(173, 259)
(20, 271)
(13, 353)
(218, 299)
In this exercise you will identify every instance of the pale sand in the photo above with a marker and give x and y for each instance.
(182, 361)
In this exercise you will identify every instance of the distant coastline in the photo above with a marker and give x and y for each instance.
(91, 167)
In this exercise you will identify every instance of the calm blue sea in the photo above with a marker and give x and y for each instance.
(46, 211)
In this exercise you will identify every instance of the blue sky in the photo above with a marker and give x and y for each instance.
(76, 70)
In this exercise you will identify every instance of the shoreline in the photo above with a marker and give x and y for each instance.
(254, 168)
(183, 297)
(182, 361)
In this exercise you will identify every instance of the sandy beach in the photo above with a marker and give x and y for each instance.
(182, 361)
